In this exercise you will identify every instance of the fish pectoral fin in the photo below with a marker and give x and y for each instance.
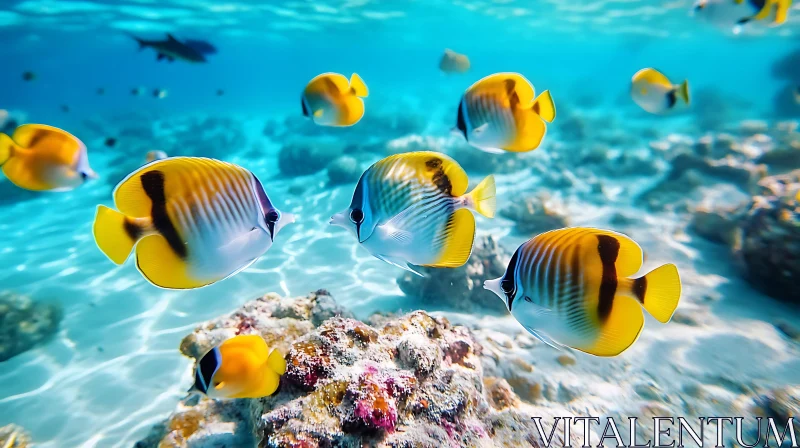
(318, 113)
(490, 150)
(480, 129)
(159, 264)
(160, 56)
(544, 338)
(455, 240)
(399, 262)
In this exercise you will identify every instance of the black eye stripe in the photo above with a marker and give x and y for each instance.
(206, 369)
(508, 284)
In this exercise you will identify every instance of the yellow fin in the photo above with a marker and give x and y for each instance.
(181, 175)
(627, 253)
(651, 76)
(111, 236)
(252, 343)
(523, 88)
(276, 362)
(458, 236)
(659, 291)
(620, 330)
(357, 86)
(6, 148)
(764, 13)
(426, 164)
(483, 197)
(262, 384)
(782, 11)
(159, 264)
(683, 91)
(545, 107)
(351, 112)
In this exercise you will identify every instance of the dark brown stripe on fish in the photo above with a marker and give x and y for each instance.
(153, 185)
(640, 288)
(440, 179)
(37, 135)
(608, 249)
(132, 230)
(537, 108)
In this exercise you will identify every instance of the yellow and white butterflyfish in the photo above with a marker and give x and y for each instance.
(656, 94)
(331, 100)
(414, 209)
(38, 157)
(193, 221)
(573, 287)
(499, 113)
(240, 367)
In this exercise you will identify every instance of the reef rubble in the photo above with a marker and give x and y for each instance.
(393, 381)
(25, 323)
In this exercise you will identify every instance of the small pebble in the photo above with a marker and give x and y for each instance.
(566, 360)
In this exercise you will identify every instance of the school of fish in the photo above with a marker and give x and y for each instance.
(193, 221)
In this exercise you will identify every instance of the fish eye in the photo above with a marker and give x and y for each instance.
(84, 176)
(357, 216)
(273, 216)
(507, 284)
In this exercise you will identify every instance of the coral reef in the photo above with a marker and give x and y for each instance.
(771, 237)
(13, 436)
(536, 214)
(25, 323)
(461, 288)
(409, 381)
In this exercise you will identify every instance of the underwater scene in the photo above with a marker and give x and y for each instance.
(399, 223)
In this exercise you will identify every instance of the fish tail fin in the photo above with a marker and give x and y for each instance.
(482, 198)
(115, 234)
(683, 92)
(357, 86)
(456, 239)
(6, 148)
(544, 106)
(659, 291)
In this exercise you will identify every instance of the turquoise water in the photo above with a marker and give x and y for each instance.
(114, 370)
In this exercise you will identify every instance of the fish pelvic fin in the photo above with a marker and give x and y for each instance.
(683, 92)
(483, 198)
(358, 87)
(6, 148)
(116, 234)
(659, 291)
(544, 106)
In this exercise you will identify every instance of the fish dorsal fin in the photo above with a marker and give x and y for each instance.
(433, 167)
(523, 87)
(251, 343)
(39, 138)
(329, 83)
(598, 245)
(652, 76)
(171, 38)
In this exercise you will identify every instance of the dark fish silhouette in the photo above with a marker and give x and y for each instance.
(110, 142)
(171, 49)
(200, 46)
(29, 76)
(101, 91)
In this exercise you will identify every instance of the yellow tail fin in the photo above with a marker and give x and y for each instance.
(482, 198)
(683, 91)
(544, 106)
(6, 148)
(659, 291)
(357, 86)
(113, 235)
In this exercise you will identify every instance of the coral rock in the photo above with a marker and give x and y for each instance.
(770, 247)
(13, 436)
(25, 323)
(461, 288)
(303, 157)
(536, 214)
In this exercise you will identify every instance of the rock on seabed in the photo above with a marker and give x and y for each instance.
(408, 381)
